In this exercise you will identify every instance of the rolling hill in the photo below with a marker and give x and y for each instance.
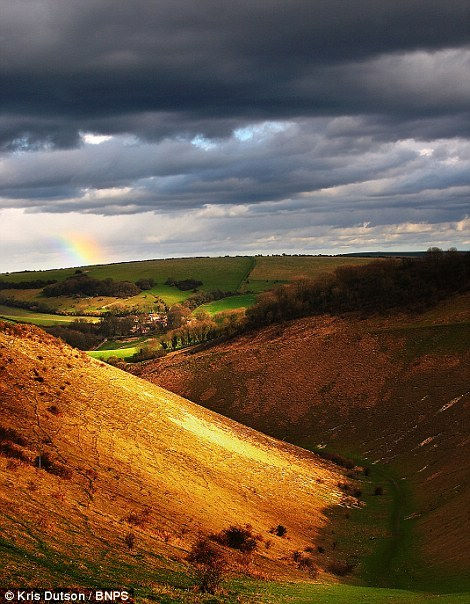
(247, 274)
(390, 391)
(107, 479)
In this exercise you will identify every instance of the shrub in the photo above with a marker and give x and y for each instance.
(378, 491)
(210, 564)
(145, 284)
(12, 435)
(306, 563)
(237, 537)
(279, 530)
(184, 284)
(339, 460)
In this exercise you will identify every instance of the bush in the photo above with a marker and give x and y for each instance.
(184, 284)
(12, 435)
(237, 537)
(8, 449)
(279, 530)
(339, 460)
(145, 284)
(76, 338)
(378, 491)
(139, 518)
(210, 564)
(305, 563)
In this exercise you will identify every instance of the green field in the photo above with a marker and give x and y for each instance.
(270, 271)
(246, 274)
(120, 353)
(226, 273)
(120, 349)
(36, 318)
(230, 303)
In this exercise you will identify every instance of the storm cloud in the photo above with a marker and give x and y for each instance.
(342, 112)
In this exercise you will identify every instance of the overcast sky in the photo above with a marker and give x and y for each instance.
(182, 127)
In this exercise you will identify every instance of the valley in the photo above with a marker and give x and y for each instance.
(391, 392)
(342, 468)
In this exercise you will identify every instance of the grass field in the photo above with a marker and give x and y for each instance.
(36, 318)
(230, 303)
(120, 353)
(270, 271)
(226, 273)
(250, 275)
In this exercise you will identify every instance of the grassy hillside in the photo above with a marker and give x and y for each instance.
(21, 315)
(391, 391)
(119, 456)
(269, 271)
(230, 303)
(226, 273)
(240, 273)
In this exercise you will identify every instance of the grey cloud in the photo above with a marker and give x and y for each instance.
(156, 69)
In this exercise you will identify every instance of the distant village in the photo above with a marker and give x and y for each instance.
(148, 323)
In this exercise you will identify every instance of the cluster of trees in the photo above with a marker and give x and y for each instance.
(184, 284)
(79, 334)
(203, 328)
(84, 285)
(36, 284)
(197, 331)
(145, 284)
(199, 298)
(404, 283)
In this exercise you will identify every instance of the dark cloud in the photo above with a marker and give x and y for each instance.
(156, 68)
(318, 165)
(270, 125)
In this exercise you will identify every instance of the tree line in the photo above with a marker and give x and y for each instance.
(406, 283)
(88, 286)
(35, 284)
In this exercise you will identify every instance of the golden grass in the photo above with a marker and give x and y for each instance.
(137, 451)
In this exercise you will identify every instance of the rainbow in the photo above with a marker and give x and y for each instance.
(80, 249)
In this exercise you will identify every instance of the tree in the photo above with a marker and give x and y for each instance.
(178, 315)
(210, 564)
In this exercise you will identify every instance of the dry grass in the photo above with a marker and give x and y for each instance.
(142, 461)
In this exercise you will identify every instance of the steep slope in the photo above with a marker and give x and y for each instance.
(392, 390)
(102, 474)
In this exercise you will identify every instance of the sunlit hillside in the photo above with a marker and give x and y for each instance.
(108, 479)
